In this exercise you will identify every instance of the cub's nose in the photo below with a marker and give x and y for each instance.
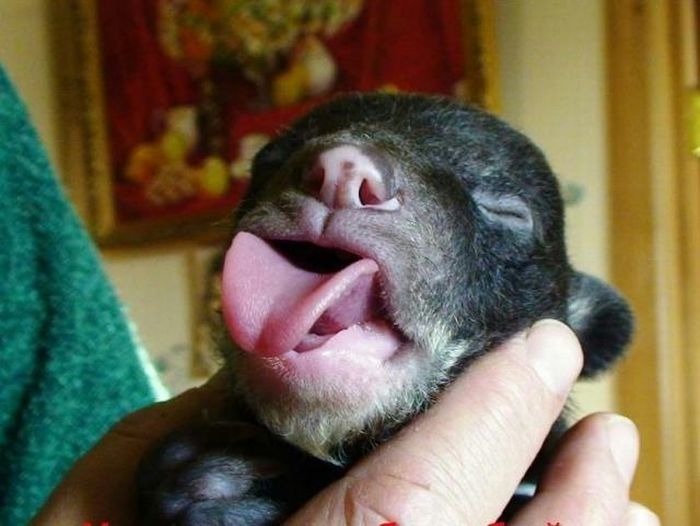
(347, 177)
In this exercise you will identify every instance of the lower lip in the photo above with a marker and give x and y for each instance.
(311, 342)
(339, 359)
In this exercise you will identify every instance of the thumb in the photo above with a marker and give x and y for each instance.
(460, 462)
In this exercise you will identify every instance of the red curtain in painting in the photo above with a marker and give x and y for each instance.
(413, 45)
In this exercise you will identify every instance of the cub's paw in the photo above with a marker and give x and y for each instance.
(220, 474)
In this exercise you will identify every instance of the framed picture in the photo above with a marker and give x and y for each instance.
(167, 101)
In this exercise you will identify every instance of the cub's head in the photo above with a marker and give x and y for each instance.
(385, 242)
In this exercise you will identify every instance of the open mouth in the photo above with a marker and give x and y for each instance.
(283, 297)
(314, 258)
(357, 304)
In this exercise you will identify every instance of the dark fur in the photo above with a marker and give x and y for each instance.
(477, 250)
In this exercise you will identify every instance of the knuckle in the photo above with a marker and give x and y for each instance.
(393, 497)
(446, 467)
(360, 505)
(518, 400)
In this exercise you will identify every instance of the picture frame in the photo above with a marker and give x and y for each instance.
(161, 114)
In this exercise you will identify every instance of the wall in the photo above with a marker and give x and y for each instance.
(552, 68)
(24, 52)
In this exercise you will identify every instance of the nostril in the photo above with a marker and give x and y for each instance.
(346, 176)
(314, 180)
(367, 194)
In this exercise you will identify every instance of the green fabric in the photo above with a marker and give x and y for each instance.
(69, 366)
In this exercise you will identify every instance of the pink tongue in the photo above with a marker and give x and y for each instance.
(270, 305)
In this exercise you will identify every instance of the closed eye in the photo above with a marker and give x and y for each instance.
(510, 211)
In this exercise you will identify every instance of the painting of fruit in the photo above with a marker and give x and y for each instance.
(179, 95)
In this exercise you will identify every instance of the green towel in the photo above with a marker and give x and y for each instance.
(69, 365)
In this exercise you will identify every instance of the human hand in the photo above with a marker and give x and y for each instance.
(100, 487)
(459, 463)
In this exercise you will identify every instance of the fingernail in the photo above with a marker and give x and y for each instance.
(624, 444)
(641, 516)
(555, 354)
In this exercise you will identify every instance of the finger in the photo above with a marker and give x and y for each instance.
(587, 483)
(460, 462)
(94, 487)
(638, 515)
(154, 422)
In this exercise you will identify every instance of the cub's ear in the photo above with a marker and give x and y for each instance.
(601, 319)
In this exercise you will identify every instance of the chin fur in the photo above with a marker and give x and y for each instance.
(320, 422)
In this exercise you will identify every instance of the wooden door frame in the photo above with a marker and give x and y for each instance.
(655, 247)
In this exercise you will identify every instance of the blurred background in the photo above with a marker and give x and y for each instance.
(605, 89)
